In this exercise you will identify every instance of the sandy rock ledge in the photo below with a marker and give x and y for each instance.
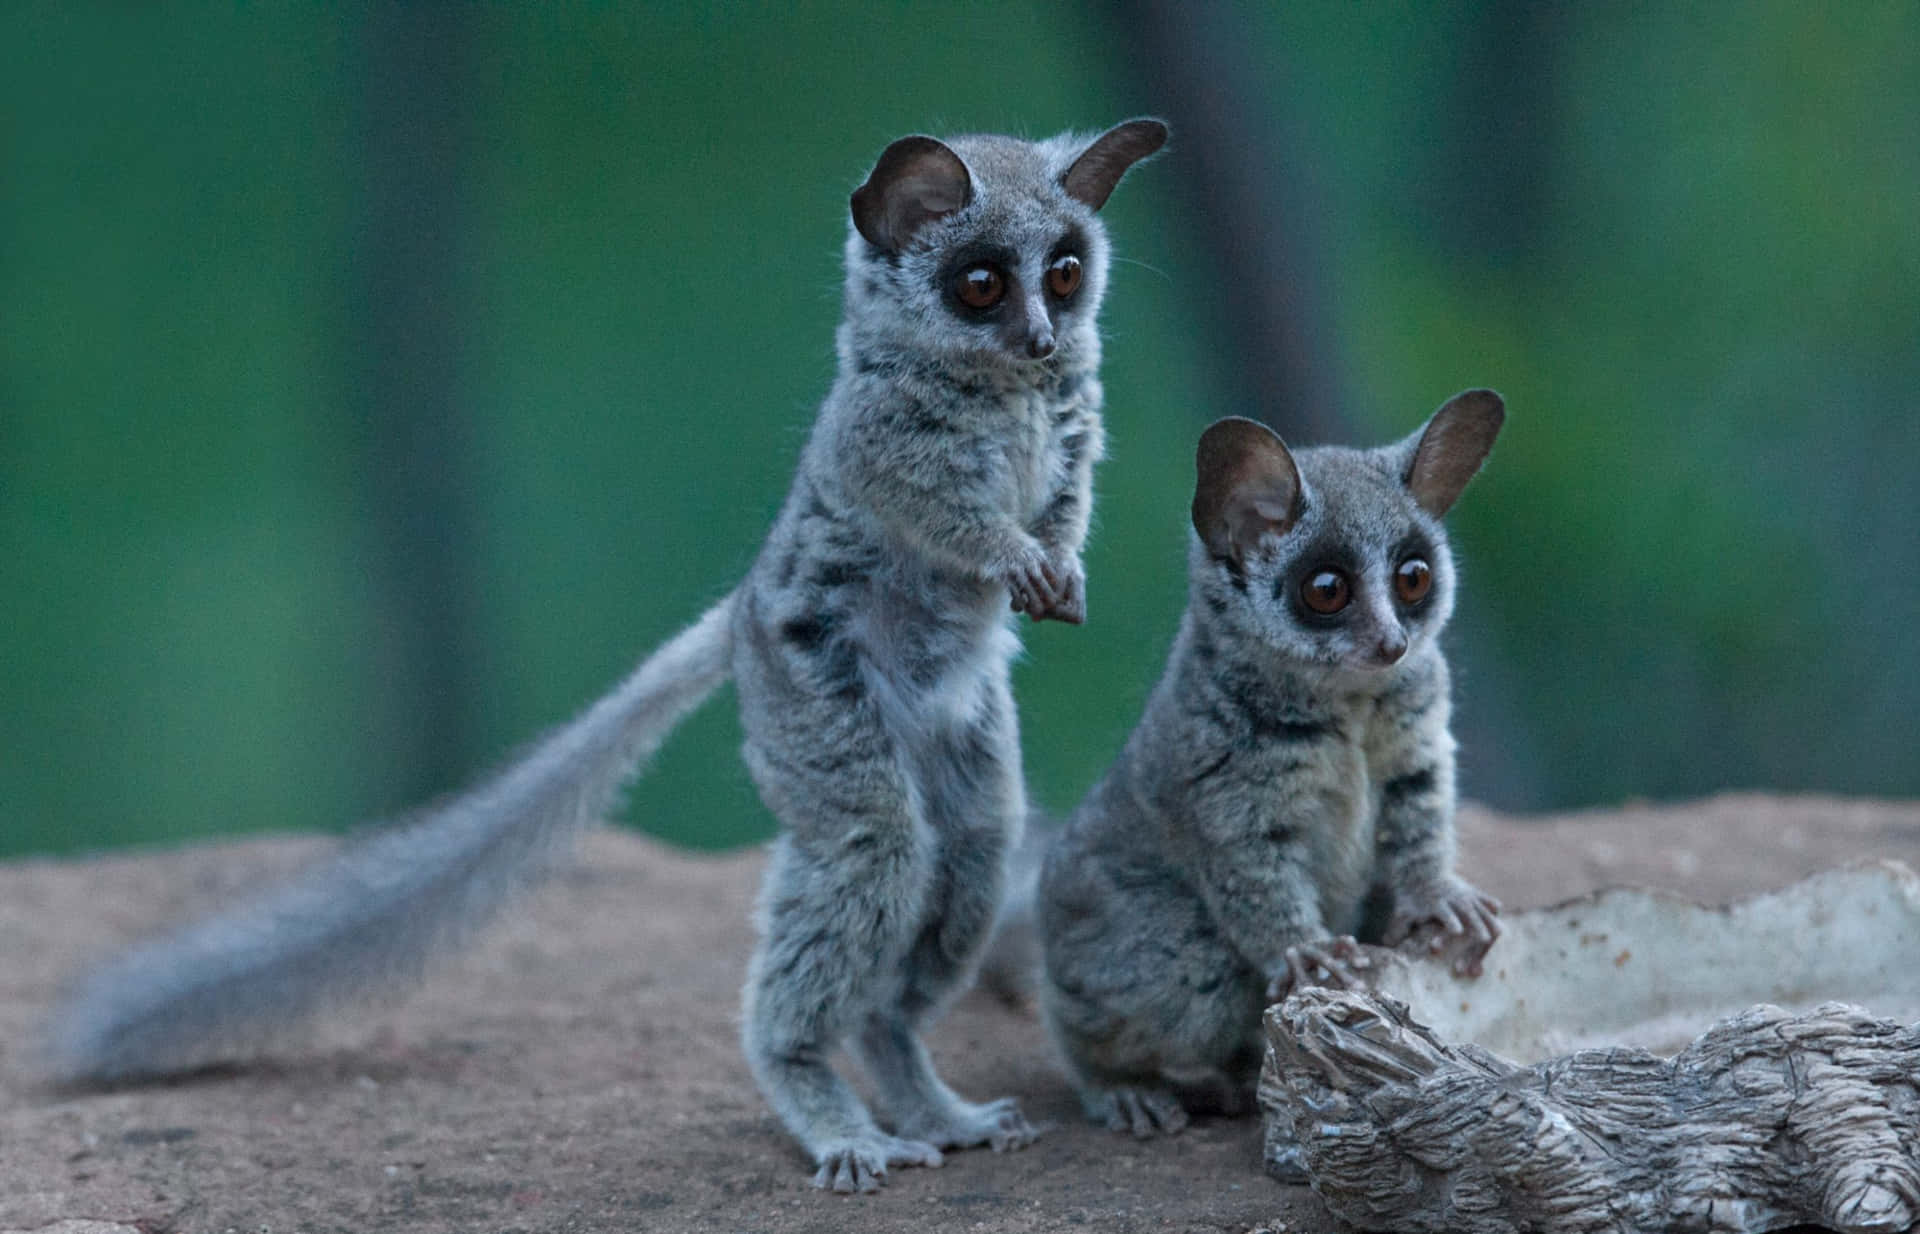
(579, 1071)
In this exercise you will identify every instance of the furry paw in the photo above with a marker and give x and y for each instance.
(1145, 1112)
(1044, 589)
(860, 1163)
(1033, 583)
(1451, 913)
(1334, 962)
(1071, 604)
(998, 1124)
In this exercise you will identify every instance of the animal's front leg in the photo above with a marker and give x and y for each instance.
(1257, 880)
(946, 496)
(1414, 836)
(1061, 528)
(1256, 828)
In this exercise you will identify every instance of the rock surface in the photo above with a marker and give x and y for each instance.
(578, 1071)
(1628, 966)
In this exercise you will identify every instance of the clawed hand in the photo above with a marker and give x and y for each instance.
(1451, 913)
(1049, 590)
(1332, 962)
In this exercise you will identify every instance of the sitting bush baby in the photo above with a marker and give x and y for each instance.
(1290, 784)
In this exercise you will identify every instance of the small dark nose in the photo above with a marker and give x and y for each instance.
(1392, 647)
(1039, 328)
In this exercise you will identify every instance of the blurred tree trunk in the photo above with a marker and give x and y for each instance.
(412, 440)
(1488, 177)
(1254, 203)
(1251, 192)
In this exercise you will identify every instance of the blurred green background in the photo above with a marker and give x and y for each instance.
(378, 385)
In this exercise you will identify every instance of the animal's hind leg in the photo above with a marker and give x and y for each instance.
(1154, 1013)
(924, 1108)
(839, 907)
(975, 804)
(1144, 1110)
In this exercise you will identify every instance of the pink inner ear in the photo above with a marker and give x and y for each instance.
(919, 197)
(917, 179)
(1245, 486)
(935, 195)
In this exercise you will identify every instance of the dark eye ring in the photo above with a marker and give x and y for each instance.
(1326, 592)
(1412, 580)
(1063, 276)
(980, 287)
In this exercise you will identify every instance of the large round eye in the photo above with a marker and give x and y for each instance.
(1327, 592)
(980, 286)
(1412, 581)
(1063, 276)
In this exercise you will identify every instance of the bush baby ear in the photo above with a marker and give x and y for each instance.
(1094, 174)
(1246, 488)
(1452, 446)
(917, 180)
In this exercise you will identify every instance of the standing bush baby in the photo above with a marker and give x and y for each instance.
(947, 479)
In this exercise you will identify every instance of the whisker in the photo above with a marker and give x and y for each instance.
(1133, 261)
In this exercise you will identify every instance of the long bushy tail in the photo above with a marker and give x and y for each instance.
(369, 920)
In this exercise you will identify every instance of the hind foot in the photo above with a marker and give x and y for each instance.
(859, 1163)
(1145, 1112)
(962, 1124)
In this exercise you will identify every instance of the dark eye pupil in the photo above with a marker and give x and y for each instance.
(980, 287)
(1063, 276)
(1413, 579)
(1326, 592)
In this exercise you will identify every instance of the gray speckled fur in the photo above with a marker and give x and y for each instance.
(872, 654)
(1278, 790)
(870, 643)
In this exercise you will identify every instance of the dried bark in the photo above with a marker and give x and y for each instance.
(1767, 1120)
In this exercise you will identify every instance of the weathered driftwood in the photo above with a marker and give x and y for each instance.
(1767, 1119)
